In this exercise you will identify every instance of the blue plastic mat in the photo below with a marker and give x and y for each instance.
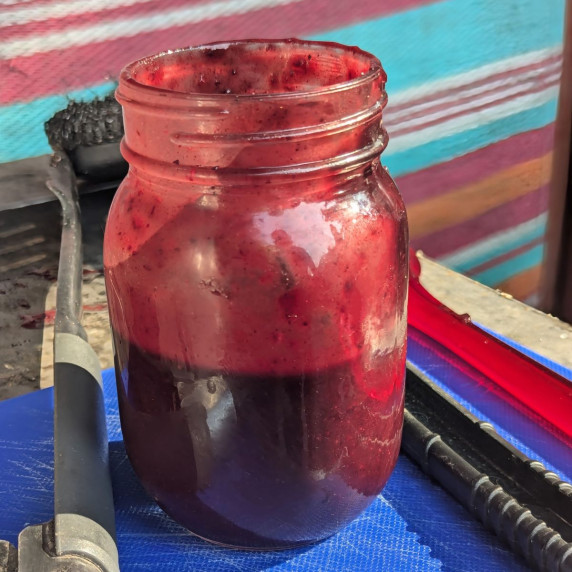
(414, 525)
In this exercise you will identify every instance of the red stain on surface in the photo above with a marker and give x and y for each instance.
(37, 321)
(47, 273)
(47, 318)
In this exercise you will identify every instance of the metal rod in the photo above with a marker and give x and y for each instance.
(83, 498)
(438, 452)
(68, 298)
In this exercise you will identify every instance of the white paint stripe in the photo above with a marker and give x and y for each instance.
(470, 120)
(489, 244)
(13, 2)
(39, 12)
(477, 74)
(489, 98)
(468, 91)
(114, 29)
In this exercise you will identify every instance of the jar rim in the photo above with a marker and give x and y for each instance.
(128, 76)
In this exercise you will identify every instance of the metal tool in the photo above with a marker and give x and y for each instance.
(81, 536)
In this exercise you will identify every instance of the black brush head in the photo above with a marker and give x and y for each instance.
(90, 133)
(85, 124)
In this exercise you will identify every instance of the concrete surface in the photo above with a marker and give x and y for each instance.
(29, 251)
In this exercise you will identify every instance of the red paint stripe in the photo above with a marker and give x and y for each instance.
(540, 86)
(498, 219)
(504, 257)
(58, 71)
(502, 75)
(446, 177)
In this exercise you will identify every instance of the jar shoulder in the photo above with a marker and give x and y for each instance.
(314, 215)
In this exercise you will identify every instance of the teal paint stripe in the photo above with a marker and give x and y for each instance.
(448, 148)
(446, 38)
(22, 124)
(516, 265)
(502, 247)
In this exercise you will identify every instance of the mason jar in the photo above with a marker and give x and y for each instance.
(256, 270)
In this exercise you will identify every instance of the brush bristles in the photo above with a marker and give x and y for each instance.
(86, 124)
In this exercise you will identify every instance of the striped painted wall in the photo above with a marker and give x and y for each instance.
(473, 88)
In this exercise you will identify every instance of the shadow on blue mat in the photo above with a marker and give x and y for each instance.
(148, 539)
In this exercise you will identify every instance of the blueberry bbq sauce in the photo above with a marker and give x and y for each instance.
(256, 271)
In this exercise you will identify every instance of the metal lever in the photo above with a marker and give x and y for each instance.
(81, 537)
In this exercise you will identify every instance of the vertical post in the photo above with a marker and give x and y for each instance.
(556, 285)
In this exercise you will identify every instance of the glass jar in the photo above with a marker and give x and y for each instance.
(256, 270)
